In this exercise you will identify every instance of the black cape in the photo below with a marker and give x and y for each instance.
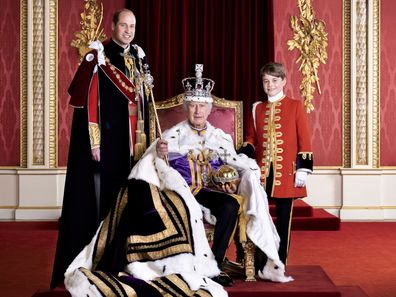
(145, 224)
(81, 213)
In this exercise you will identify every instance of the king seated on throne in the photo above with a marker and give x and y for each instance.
(153, 241)
(225, 184)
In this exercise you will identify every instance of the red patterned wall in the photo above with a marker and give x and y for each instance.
(68, 22)
(9, 83)
(326, 119)
(388, 84)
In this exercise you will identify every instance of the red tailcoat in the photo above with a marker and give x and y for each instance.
(280, 134)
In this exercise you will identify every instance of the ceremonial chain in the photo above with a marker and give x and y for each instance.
(118, 77)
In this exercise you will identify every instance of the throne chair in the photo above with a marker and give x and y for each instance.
(226, 115)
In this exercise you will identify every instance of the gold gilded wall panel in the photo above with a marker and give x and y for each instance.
(376, 84)
(39, 98)
(38, 83)
(346, 78)
(361, 108)
(53, 84)
(23, 82)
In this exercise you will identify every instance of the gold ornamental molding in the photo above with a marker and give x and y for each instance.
(346, 79)
(38, 83)
(40, 113)
(53, 84)
(361, 89)
(361, 107)
(23, 68)
(91, 21)
(376, 84)
(310, 38)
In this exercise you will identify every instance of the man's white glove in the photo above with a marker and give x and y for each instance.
(98, 46)
(301, 179)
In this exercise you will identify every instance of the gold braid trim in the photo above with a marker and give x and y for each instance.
(241, 218)
(94, 135)
(305, 155)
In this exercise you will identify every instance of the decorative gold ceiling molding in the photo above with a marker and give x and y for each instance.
(310, 38)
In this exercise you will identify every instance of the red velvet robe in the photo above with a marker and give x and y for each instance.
(290, 149)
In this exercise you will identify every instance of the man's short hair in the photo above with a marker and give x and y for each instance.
(274, 69)
(116, 15)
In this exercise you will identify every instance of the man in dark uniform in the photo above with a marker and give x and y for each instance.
(108, 136)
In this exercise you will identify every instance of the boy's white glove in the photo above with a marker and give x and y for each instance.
(301, 179)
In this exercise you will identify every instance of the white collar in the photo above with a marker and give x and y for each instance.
(277, 97)
(126, 49)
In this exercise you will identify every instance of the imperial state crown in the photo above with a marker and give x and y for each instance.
(198, 88)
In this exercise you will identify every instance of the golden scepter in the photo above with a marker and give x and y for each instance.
(148, 86)
(140, 142)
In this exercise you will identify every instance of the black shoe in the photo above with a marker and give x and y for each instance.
(223, 279)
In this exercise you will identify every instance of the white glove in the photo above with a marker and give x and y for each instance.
(98, 46)
(301, 179)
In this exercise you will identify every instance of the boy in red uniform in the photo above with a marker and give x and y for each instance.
(279, 138)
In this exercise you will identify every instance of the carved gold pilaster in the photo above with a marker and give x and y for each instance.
(53, 84)
(361, 112)
(23, 68)
(376, 84)
(38, 83)
(346, 79)
(361, 84)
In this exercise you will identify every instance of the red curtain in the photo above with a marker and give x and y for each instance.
(232, 38)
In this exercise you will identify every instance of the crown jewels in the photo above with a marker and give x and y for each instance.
(198, 88)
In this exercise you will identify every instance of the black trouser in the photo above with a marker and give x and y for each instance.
(283, 209)
(225, 208)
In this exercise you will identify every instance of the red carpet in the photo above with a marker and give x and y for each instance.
(309, 281)
(305, 217)
(360, 258)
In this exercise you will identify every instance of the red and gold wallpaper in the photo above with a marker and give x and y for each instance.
(326, 119)
(387, 83)
(9, 83)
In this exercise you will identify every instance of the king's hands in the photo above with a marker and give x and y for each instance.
(162, 148)
(229, 188)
